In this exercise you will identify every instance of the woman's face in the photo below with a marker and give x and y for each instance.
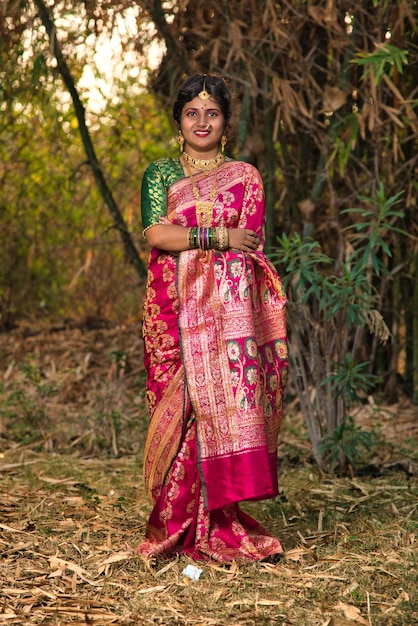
(202, 125)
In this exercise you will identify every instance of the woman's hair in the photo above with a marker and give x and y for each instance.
(215, 86)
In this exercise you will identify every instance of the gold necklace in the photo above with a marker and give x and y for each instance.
(204, 209)
(205, 165)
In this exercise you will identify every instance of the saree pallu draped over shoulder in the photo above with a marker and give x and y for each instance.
(216, 358)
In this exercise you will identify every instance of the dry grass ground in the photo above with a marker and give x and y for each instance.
(73, 508)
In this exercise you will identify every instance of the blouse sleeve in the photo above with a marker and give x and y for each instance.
(153, 197)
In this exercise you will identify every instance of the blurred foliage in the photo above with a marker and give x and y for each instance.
(60, 254)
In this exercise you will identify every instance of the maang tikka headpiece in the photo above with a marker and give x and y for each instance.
(203, 95)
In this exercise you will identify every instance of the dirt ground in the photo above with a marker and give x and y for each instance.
(73, 507)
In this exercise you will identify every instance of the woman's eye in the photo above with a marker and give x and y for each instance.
(213, 114)
(191, 113)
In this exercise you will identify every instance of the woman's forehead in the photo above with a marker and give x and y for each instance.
(197, 103)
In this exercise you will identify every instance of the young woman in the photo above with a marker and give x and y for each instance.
(215, 342)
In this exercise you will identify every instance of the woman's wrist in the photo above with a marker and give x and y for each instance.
(216, 238)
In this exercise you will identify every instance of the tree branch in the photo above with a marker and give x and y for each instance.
(129, 247)
(157, 14)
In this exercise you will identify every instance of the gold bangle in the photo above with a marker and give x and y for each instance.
(223, 238)
(215, 239)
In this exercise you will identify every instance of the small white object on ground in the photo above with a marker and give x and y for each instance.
(192, 572)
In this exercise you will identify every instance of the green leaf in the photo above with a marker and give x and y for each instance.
(383, 60)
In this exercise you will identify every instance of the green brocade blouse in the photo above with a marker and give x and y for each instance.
(158, 177)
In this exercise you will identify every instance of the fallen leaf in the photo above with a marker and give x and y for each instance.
(13, 530)
(62, 565)
(352, 587)
(269, 602)
(156, 589)
(351, 612)
(295, 554)
(333, 99)
(242, 602)
(120, 556)
(58, 481)
(341, 621)
(8, 615)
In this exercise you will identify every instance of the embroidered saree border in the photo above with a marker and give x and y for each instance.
(237, 443)
(164, 434)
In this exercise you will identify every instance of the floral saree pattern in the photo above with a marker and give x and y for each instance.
(216, 358)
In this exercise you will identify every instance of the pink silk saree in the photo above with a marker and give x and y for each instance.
(216, 357)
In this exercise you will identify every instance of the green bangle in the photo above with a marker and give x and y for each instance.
(210, 237)
(195, 238)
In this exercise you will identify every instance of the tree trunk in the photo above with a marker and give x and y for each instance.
(129, 247)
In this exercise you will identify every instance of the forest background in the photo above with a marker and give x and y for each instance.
(325, 106)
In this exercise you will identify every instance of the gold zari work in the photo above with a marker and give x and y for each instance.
(159, 176)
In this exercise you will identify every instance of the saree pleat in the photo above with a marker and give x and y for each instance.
(216, 357)
(180, 522)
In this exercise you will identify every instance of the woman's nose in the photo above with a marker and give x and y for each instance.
(202, 121)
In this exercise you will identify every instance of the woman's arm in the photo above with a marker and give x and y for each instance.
(167, 236)
(162, 234)
(174, 238)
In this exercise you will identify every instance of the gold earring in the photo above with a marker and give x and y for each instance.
(180, 139)
(223, 143)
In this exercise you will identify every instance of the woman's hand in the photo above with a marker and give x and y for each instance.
(243, 239)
